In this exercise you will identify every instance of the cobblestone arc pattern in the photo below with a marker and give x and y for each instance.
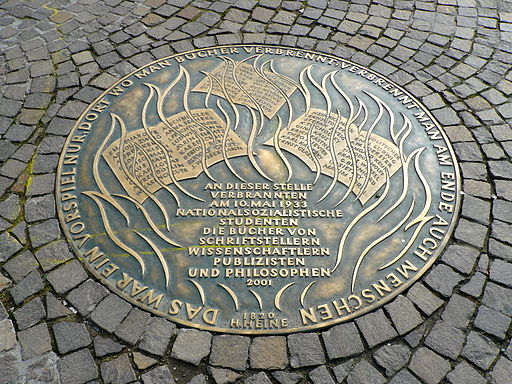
(57, 325)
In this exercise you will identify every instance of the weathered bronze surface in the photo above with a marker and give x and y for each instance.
(255, 189)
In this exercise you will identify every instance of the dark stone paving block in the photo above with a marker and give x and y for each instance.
(12, 168)
(376, 328)
(70, 336)
(471, 232)
(259, 378)
(9, 369)
(8, 246)
(443, 279)
(287, 377)
(6, 150)
(223, 375)
(60, 126)
(321, 375)
(342, 370)
(7, 335)
(445, 339)
(492, 322)
(465, 374)
(429, 366)
(192, 345)
(198, 379)
(40, 208)
(72, 109)
(77, 368)
(158, 375)
(462, 258)
(10, 207)
(67, 276)
(342, 341)
(30, 314)
(504, 189)
(501, 272)
(480, 350)
(230, 351)
(55, 308)
(364, 372)
(104, 346)
(87, 296)
(53, 254)
(498, 298)
(131, 328)
(35, 341)
(117, 371)
(502, 210)
(404, 377)
(403, 314)
(499, 249)
(305, 350)
(268, 353)
(44, 232)
(41, 185)
(29, 285)
(459, 311)
(109, 313)
(157, 336)
(3, 312)
(392, 357)
(475, 286)
(502, 371)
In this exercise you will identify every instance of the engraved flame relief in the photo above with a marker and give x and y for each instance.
(252, 189)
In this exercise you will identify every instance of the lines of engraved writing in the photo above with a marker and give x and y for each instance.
(184, 150)
(264, 93)
(384, 154)
(257, 247)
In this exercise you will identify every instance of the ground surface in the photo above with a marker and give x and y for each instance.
(452, 327)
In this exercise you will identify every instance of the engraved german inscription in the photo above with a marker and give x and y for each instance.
(257, 189)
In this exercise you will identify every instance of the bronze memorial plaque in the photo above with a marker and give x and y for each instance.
(257, 189)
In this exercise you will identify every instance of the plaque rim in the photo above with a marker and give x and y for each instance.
(379, 304)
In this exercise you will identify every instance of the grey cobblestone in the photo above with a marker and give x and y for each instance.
(86, 296)
(77, 368)
(403, 315)
(392, 357)
(321, 375)
(131, 328)
(110, 312)
(118, 371)
(445, 340)
(29, 285)
(364, 372)
(376, 328)
(104, 346)
(67, 276)
(230, 351)
(157, 335)
(305, 350)
(191, 346)
(429, 366)
(158, 375)
(70, 336)
(30, 314)
(480, 350)
(342, 341)
(34, 341)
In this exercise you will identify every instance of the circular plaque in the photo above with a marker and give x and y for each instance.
(257, 189)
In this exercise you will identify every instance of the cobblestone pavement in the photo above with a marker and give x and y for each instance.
(56, 322)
